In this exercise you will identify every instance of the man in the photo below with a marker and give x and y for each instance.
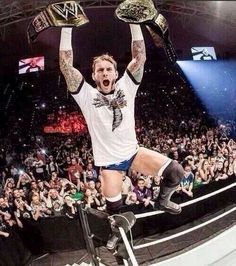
(75, 172)
(127, 186)
(144, 194)
(186, 184)
(51, 166)
(109, 113)
(90, 173)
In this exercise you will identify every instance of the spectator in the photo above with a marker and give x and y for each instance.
(127, 186)
(38, 208)
(155, 187)
(70, 208)
(3, 228)
(33, 190)
(55, 202)
(186, 184)
(5, 207)
(91, 186)
(55, 181)
(91, 200)
(219, 172)
(75, 194)
(8, 189)
(90, 173)
(143, 194)
(74, 172)
(98, 186)
(205, 172)
(38, 168)
(24, 182)
(51, 166)
(23, 210)
(65, 166)
(131, 199)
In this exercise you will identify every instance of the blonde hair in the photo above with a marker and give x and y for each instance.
(103, 57)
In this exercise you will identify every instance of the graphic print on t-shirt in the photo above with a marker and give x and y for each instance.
(115, 104)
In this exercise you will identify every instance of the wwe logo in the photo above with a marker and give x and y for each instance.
(66, 9)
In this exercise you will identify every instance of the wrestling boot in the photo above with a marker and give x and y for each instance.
(126, 221)
(164, 203)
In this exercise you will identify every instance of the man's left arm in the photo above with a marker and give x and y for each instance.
(138, 50)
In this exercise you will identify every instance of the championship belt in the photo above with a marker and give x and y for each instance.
(144, 12)
(61, 14)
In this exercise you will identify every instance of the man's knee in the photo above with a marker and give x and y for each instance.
(173, 174)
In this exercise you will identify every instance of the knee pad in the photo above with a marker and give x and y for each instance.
(173, 174)
(114, 204)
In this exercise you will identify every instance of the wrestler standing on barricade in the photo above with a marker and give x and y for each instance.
(109, 113)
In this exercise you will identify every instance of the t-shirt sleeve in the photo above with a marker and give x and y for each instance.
(82, 93)
(131, 85)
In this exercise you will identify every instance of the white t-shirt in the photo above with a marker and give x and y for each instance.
(112, 129)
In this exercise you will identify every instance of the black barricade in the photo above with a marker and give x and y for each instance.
(13, 252)
(160, 223)
(53, 234)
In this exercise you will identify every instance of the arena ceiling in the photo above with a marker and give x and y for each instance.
(15, 11)
(202, 23)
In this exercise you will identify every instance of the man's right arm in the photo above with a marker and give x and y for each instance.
(136, 66)
(72, 75)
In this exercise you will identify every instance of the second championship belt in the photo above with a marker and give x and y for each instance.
(144, 12)
(60, 14)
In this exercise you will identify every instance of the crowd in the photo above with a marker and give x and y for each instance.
(43, 175)
(52, 177)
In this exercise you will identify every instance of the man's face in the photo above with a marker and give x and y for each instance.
(105, 76)
(89, 174)
(92, 184)
(89, 166)
(213, 160)
(73, 161)
(54, 175)
(187, 170)
(220, 165)
(53, 193)
(33, 185)
(73, 190)
(141, 184)
(35, 199)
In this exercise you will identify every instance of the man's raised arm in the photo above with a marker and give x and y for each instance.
(72, 75)
(136, 66)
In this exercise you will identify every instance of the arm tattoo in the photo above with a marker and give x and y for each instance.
(72, 75)
(138, 59)
(138, 49)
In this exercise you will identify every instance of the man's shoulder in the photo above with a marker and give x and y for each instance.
(84, 86)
